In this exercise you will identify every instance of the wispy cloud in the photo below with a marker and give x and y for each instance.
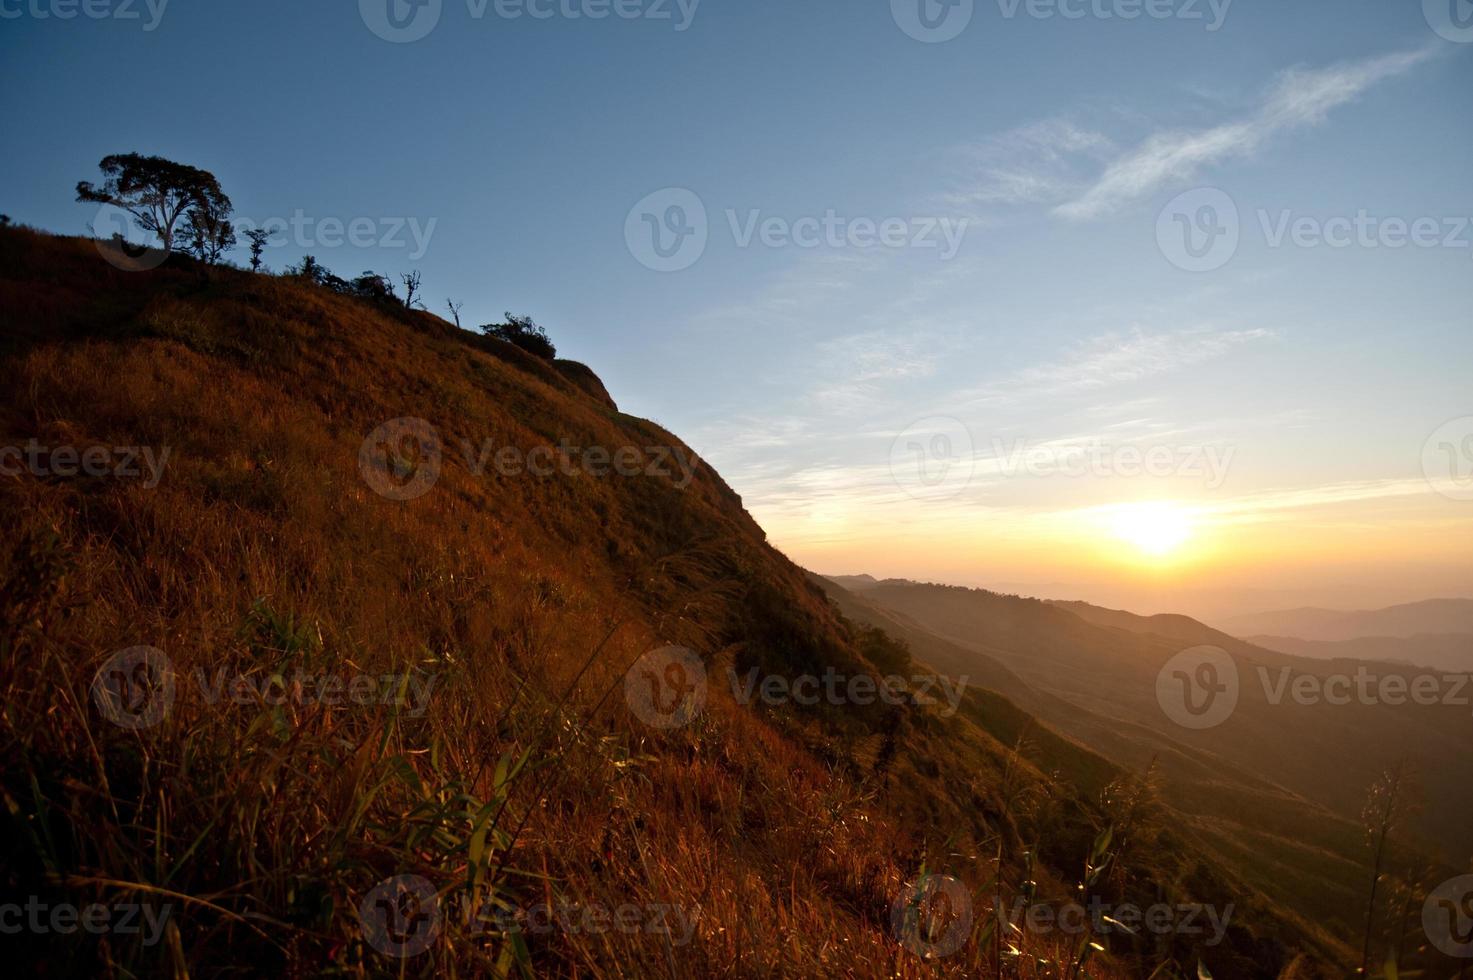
(1118, 358)
(1258, 506)
(1032, 164)
(1301, 97)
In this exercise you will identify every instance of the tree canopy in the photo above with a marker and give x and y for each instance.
(160, 193)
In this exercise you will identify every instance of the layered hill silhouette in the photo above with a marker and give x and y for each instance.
(1276, 790)
(1437, 651)
(1429, 617)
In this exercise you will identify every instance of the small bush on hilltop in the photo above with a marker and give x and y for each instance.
(525, 333)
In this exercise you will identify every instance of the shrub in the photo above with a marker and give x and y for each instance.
(525, 333)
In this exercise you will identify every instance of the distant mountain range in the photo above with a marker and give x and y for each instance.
(1286, 821)
(1439, 651)
(1431, 617)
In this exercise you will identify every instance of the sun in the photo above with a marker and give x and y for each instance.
(1155, 529)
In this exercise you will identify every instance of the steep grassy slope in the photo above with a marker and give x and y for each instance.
(283, 545)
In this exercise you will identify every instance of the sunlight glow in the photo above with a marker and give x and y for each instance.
(1155, 529)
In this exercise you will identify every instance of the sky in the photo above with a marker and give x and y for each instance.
(1158, 303)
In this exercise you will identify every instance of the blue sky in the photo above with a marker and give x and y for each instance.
(1050, 147)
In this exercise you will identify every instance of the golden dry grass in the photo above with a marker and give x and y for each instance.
(263, 551)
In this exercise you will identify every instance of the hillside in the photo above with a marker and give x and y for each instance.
(503, 750)
(1092, 674)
